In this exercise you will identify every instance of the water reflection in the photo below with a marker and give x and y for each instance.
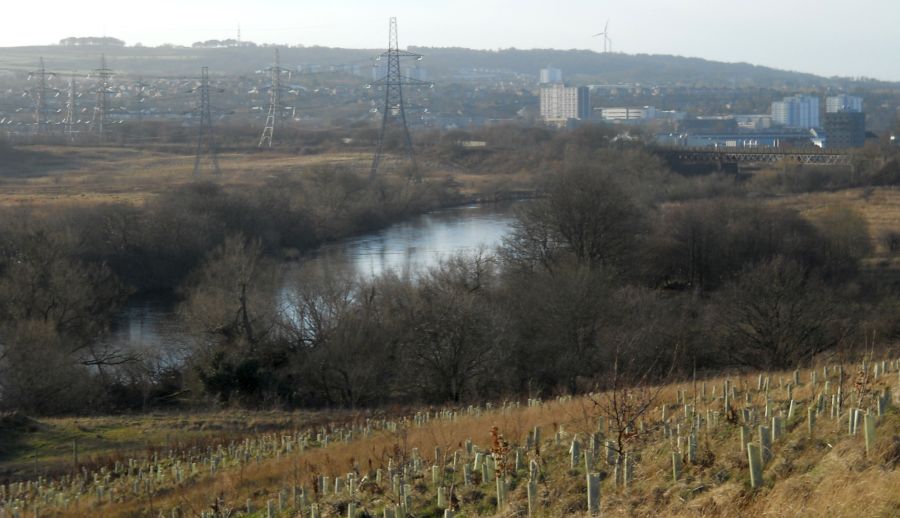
(416, 245)
(149, 326)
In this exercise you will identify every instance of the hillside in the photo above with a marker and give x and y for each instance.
(589, 66)
(442, 63)
(682, 451)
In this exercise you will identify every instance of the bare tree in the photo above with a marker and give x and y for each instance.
(452, 328)
(38, 372)
(231, 298)
(559, 319)
(631, 388)
(231, 305)
(333, 325)
(776, 314)
(585, 214)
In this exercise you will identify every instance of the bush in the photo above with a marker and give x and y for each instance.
(39, 375)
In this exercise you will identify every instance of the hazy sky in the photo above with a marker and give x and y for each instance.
(827, 37)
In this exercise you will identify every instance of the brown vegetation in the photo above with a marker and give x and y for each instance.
(828, 473)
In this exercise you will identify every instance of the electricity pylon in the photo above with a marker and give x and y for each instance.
(205, 141)
(394, 108)
(274, 115)
(39, 94)
(71, 110)
(139, 100)
(101, 109)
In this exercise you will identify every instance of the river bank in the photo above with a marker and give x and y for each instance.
(149, 323)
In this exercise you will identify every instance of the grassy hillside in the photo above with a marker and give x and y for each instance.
(442, 63)
(461, 453)
(50, 446)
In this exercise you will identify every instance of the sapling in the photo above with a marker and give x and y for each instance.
(628, 476)
(777, 428)
(532, 497)
(593, 494)
(676, 466)
(765, 444)
(501, 492)
(754, 458)
(574, 453)
(745, 437)
(869, 431)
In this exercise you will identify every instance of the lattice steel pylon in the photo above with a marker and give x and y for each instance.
(139, 101)
(394, 108)
(205, 140)
(39, 94)
(101, 109)
(71, 110)
(275, 109)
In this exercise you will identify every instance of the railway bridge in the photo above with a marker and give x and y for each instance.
(731, 158)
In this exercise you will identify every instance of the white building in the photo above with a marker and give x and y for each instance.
(551, 75)
(561, 103)
(844, 103)
(628, 114)
(647, 113)
(799, 111)
(417, 73)
(753, 121)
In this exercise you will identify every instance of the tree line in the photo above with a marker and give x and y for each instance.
(591, 276)
(65, 272)
(611, 266)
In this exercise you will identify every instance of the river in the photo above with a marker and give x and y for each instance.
(151, 327)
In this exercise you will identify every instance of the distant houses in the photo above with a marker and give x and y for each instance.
(227, 43)
(91, 42)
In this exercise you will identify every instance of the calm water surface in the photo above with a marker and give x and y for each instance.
(412, 246)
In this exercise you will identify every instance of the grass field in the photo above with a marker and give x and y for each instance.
(218, 462)
(29, 448)
(826, 473)
(76, 175)
(879, 206)
(60, 176)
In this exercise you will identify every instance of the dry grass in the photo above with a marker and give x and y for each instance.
(76, 176)
(64, 176)
(879, 206)
(826, 475)
(46, 447)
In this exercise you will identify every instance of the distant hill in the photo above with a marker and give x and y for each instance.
(620, 68)
(579, 66)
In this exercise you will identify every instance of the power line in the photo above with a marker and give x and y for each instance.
(39, 95)
(139, 100)
(101, 109)
(205, 140)
(394, 109)
(275, 113)
(71, 110)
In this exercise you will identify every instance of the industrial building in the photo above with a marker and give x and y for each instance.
(628, 114)
(551, 75)
(644, 114)
(843, 103)
(786, 138)
(561, 104)
(845, 129)
(753, 122)
(708, 124)
(799, 111)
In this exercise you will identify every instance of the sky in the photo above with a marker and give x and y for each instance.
(825, 37)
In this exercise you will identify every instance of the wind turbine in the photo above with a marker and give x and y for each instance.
(607, 42)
